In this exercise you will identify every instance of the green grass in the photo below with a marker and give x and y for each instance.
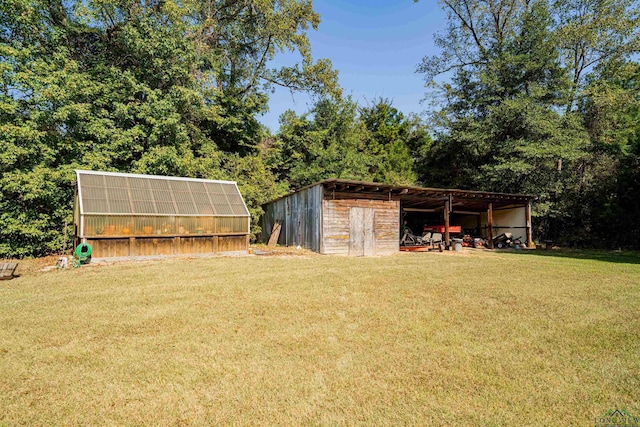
(479, 338)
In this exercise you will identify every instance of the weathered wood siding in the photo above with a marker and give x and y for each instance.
(301, 217)
(341, 236)
(108, 248)
(232, 244)
(149, 246)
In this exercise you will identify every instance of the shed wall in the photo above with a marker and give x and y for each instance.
(336, 227)
(512, 221)
(146, 246)
(300, 214)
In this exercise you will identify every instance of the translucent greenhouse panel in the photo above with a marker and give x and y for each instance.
(195, 225)
(141, 196)
(162, 196)
(203, 203)
(232, 225)
(93, 193)
(236, 204)
(117, 194)
(208, 224)
(235, 199)
(101, 225)
(220, 202)
(148, 225)
(219, 198)
(181, 192)
(121, 226)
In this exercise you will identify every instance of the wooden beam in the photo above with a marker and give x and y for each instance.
(528, 220)
(419, 210)
(508, 207)
(466, 212)
(446, 223)
(490, 224)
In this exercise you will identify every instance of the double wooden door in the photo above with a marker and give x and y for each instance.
(362, 239)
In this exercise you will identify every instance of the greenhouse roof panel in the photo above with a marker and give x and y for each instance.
(109, 193)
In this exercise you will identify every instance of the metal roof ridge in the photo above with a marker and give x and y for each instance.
(138, 175)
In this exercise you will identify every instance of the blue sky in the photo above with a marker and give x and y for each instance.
(375, 45)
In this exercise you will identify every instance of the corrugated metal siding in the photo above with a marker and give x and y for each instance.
(301, 218)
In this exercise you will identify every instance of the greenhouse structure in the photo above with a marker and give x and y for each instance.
(129, 215)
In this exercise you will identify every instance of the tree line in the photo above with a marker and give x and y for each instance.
(536, 97)
(542, 98)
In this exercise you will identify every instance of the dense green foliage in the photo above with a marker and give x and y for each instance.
(534, 96)
(337, 139)
(542, 100)
(162, 87)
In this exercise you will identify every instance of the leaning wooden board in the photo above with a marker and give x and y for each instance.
(275, 234)
(7, 270)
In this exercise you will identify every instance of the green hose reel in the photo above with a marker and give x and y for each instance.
(82, 255)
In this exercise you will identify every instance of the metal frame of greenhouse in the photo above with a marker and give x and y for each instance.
(131, 215)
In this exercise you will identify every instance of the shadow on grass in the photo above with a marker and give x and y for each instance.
(623, 257)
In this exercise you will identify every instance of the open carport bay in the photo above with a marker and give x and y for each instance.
(356, 218)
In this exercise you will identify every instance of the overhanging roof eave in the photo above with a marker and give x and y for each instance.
(426, 190)
(404, 192)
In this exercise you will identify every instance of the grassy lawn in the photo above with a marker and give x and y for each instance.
(478, 338)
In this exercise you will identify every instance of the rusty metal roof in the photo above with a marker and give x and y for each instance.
(111, 193)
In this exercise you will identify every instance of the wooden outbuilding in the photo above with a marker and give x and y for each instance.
(129, 215)
(356, 218)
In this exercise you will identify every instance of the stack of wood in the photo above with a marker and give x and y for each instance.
(7, 270)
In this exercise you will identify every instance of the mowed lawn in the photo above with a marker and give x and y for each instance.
(479, 338)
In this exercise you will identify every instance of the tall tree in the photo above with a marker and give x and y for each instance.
(327, 142)
(166, 87)
(610, 174)
(397, 144)
(502, 126)
(339, 139)
(593, 32)
(535, 104)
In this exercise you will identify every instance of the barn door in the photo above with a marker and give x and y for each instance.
(361, 233)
